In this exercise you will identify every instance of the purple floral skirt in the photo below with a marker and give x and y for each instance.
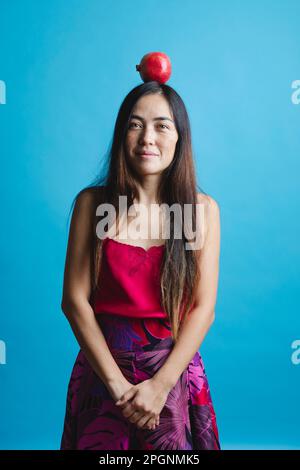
(140, 347)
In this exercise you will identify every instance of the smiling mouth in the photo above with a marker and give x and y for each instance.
(147, 155)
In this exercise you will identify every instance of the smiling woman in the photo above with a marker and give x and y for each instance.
(149, 139)
(140, 312)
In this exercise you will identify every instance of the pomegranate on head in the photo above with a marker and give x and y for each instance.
(155, 66)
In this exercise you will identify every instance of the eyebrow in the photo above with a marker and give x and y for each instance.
(161, 118)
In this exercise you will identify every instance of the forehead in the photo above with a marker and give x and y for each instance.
(150, 106)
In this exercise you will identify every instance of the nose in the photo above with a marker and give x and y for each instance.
(146, 137)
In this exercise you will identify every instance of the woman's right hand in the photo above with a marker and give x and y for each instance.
(117, 391)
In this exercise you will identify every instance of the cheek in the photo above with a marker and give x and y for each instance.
(129, 141)
(170, 144)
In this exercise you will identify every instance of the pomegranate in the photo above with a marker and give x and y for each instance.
(155, 66)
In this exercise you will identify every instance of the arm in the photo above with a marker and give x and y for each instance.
(76, 293)
(201, 317)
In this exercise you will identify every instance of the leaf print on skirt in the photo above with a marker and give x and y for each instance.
(93, 421)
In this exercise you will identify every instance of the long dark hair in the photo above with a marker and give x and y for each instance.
(180, 272)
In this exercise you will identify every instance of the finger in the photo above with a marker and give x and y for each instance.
(131, 413)
(135, 417)
(144, 421)
(128, 410)
(127, 396)
(150, 425)
(125, 403)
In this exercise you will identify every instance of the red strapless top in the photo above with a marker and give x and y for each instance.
(129, 281)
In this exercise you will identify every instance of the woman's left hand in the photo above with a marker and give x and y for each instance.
(143, 401)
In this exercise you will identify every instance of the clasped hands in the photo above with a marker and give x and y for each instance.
(142, 403)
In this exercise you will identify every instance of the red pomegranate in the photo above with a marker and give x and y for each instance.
(155, 66)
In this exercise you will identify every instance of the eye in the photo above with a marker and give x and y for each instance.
(133, 124)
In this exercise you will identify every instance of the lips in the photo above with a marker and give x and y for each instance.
(147, 153)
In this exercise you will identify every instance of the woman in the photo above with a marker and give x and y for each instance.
(141, 307)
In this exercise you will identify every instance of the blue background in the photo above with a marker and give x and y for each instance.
(67, 66)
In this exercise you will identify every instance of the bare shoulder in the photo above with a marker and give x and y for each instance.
(211, 215)
(89, 194)
(77, 275)
(84, 211)
(88, 198)
(210, 204)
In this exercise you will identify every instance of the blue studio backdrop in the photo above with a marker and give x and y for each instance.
(65, 67)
